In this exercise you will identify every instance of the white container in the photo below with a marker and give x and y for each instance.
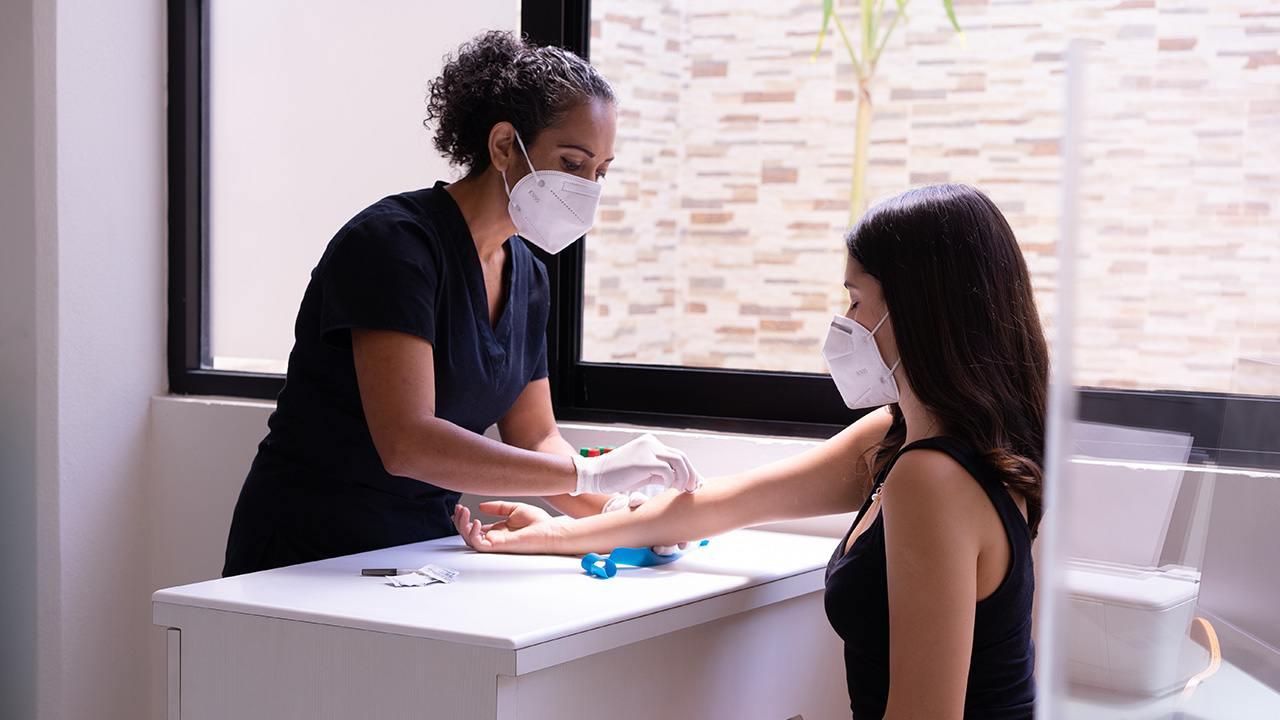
(1128, 630)
(1128, 618)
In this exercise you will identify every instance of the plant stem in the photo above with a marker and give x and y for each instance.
(862, 137)
(862, 141)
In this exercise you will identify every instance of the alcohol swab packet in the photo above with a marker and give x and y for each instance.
(425, 575)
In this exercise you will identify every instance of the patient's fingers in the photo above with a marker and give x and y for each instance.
(472, 531)
(461, 518)
(476, 537)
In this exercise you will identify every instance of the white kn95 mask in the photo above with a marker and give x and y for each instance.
(856, 366)
(551, 209)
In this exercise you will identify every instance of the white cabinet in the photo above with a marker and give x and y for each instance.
(735, 629)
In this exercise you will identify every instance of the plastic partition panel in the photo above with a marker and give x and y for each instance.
(1165, 559)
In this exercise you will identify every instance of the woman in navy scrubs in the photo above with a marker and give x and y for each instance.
(424, 323)
(931, 589)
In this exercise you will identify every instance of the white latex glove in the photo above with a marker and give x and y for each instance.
(626, 501)
(643, 461)
(622, 501)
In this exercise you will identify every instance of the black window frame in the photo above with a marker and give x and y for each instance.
(1227, 429)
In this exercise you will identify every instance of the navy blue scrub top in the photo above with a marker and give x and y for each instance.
(317, 487)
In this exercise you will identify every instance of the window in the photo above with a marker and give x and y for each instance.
(701, 297)
(250, 116)
(310, 112)
(719, 244)
(314, 112)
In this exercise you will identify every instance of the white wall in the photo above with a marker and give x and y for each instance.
(110, 335)
(81, 332)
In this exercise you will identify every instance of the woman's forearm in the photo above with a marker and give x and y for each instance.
(437, 451)
(832, 477)
(571, 505)
(668, 519)
(578, 505)
(397, 393)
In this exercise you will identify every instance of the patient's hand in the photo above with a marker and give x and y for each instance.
(527, 529)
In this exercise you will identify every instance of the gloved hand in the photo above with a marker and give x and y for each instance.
(632, 500)
(622, 501)
(643, 461)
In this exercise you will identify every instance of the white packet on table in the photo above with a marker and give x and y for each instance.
(425, 575)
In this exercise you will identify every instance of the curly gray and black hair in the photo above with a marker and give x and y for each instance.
(498, 77)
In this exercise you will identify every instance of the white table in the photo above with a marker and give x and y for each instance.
(735, 629)
(1228, 694)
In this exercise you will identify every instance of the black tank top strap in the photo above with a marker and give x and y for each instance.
(1015, 525)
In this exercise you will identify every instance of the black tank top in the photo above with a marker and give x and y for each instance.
(1001, 684)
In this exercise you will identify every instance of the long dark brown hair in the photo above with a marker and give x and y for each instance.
(964, 318)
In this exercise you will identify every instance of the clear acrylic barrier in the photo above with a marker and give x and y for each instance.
(1190, 635)
(1159, 547)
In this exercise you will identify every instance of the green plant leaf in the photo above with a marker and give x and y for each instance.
(853, 55)
(951, 15)
(828, 9)
(869, 18)
(875, 58)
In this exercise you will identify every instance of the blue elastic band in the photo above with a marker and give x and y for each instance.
(606, 567)
(598, 565)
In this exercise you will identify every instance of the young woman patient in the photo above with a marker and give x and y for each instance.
(931, 590)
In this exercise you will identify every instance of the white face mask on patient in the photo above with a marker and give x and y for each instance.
(551, 209)
(856, 366)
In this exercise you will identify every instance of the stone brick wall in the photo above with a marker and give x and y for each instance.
(719, 241)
